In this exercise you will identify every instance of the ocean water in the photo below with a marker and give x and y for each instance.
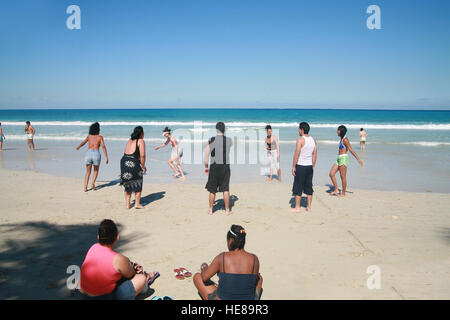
(406, 150)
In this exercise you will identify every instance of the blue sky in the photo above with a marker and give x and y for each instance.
(217, 53)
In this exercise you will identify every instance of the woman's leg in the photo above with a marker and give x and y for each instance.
(333, 171)
(179, 167)
(137, 201)
(94, 178)
(128, 199)
(86, 177)
(139, 282)
(203, 289)
(170, 162)
(343, 173)
(1, 145)
(279, 175)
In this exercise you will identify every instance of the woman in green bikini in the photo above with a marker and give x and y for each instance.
(342, 162)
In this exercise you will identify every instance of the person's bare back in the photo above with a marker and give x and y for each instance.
(94, 141)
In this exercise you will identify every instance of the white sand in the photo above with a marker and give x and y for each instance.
(47, 223)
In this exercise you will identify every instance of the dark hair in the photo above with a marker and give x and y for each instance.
(166, 129)
(237, 234)
(28, 122)
(304, 126)
(268, 127)
(342, 131)
(361, 129)
(107, 232)
(220, 126)
(94, 129)
(137, 133)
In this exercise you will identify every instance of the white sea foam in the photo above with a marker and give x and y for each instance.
(241, 125)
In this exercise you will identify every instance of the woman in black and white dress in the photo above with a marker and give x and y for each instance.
(132, 167)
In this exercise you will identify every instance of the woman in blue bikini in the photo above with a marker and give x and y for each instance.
(342, 162)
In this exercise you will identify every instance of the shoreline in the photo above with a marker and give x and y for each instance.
(47, 223)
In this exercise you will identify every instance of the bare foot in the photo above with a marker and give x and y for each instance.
(139, 206)
(334, 193)
(93, 187)
(228, 212)
(308, 209)
(210, 212)
(341, 195)
(85, 189)
(295, 210)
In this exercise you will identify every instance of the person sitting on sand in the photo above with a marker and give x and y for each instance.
(305, 157)
(30, 135)
(342, 162)
(108, 275)
(238, 272)
(2, 137)
(177, 152)
(273, 153)
(218, 172)
(93, 156)
(132, 167)
(362, 139)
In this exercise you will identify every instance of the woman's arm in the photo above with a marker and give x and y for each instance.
(102, 143)
(124, 266)
(163, 145)
(142, 154)
(212, 269)
(349, 147)
(82, 144)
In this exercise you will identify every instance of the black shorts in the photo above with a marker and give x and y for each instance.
(303, 180)
(218, 178)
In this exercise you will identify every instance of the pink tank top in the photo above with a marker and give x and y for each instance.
(98, 276)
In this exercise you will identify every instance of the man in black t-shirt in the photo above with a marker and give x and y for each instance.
(218, 148)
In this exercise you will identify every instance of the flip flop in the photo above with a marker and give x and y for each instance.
(156, 298)
(178, 274)
(152, 279)
(185, 272)
(167, 298)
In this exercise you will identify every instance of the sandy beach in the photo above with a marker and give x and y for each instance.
(47, 224)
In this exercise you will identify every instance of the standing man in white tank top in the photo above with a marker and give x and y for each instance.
(305, 157)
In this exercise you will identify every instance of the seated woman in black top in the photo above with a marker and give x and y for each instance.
(238, 272)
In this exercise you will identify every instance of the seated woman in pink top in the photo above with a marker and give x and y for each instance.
(106, 274)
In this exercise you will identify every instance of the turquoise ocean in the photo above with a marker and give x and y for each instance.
(406, 150)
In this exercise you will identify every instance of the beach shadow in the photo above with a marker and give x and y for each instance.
(144, 296)
(40, 149)
(303, 202)
(9, 149)
(152, 197)
(220, 204)
(331, 189)
(445, 234)
(36, 255)
(108, 184)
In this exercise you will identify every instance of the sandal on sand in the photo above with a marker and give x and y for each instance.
(167, 298)
(156, 298)
(185, 272)
(178, 274)
(152, 279)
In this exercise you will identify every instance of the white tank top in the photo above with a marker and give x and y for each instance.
(306, 153)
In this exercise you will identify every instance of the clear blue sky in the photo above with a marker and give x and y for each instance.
(225, 53)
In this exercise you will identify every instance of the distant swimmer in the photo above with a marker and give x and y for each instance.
(2, 137)
(93, 156)
(177, 152)
(342, 162)
(362, 139)
(273, 153)
(30, 135)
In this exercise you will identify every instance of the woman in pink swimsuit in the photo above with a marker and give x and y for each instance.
(108, 275)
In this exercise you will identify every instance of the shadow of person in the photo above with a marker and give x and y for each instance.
(108, 184)
(36, 255)
(31, 162)
(152, 197)
(303, 202)
(220, 204)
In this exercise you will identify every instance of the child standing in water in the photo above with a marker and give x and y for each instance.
(363, 138)
(342, 162)
(177, 152)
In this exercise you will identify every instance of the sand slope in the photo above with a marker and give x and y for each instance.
(47, 223)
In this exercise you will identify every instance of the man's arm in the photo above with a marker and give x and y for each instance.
(207, 153)
(314, 154)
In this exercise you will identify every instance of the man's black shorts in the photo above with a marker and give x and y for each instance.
(303, 180)
(218, 178)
